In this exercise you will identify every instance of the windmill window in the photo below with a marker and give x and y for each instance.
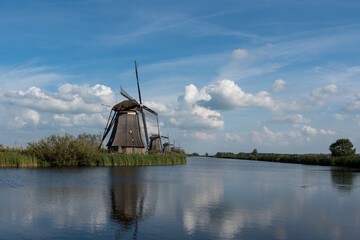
(131, 131)
(132, 139)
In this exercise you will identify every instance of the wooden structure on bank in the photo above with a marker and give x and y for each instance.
(125, 123)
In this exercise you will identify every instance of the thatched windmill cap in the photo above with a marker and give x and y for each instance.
(124, 106)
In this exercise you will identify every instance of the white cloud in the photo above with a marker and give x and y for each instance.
(290, 118)
(278, 85)
(188, 114)
(233, 137)
(68, 99)
(324, 92)
(309, 130)
(26, 76)
(27, 115)
(313, 131)
(62, 120)
(337, 116)
(268, 137)
(79, 120)
(192, 95)
(353, 106)
(327, 132)
(240, 54)
(204, 136)
(18, 122)
(225, 95)
(32, 115)
(315, 100)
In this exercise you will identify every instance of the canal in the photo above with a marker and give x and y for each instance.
(207, 198)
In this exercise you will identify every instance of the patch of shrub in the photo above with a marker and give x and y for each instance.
(66, 150)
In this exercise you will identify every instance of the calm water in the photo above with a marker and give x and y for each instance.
(205, 199)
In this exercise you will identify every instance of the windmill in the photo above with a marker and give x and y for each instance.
(124, 120)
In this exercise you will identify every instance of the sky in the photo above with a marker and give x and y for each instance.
(224, 76)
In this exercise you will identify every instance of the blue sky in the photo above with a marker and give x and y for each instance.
(279, 76)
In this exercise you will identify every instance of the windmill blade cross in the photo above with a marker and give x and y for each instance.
(125, 94)
(149, 110)
(108, 127)
(137, 79)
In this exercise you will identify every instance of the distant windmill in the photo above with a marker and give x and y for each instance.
(155, 143)
(124, 120)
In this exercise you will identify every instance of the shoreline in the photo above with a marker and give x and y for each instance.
(13, 159)
(305, 159)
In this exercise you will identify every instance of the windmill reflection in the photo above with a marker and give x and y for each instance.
(130, 199)
(342, 179)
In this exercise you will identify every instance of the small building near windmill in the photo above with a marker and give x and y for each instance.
(126, 136)
(155, 144)
(167, 147)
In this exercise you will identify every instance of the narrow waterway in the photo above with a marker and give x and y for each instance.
(206, 199)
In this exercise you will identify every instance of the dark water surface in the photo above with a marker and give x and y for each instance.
(205, 199)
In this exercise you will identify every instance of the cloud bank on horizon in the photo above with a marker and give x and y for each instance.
(281, 83)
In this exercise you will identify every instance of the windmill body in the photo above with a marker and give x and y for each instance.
(155, 144)
(124, 121)
(126, 134)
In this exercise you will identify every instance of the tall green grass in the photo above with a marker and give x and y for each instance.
(106, 159)
(18, 159)
(308, 159)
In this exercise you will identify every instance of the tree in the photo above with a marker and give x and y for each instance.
(255, 152)
(342, 147)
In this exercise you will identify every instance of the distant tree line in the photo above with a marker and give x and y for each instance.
(342, 154)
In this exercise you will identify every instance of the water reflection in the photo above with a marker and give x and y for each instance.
(342, 179)
(129, 204)
(205, 199)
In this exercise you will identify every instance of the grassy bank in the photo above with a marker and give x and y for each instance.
(308, 159)
(14, 159)
(73, 151)
(17, 159)
(106, 159)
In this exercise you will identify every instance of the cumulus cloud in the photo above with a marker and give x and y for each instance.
(337, 116)
(309, 130)
(226, 95)
(27, 116)
(278, 85)
(26, 76)
(353, 106)
(233, 137)
(240, 54)
(324, 92)
(290, 118)
(204, 136)
(68, 99)
(268, 137)
(313, 131)
(316, 99)
(188, 114)
(70, 107)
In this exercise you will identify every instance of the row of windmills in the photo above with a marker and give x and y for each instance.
(127, 120)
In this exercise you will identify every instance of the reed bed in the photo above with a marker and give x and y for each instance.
(308, 159)
(106, 159)
(17, 159)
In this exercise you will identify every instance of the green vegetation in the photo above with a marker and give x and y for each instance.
(342, 154)
(83, 150)
(17, 158)
(106, 159)
(309, 159)
(66, 150)
(341, 148)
